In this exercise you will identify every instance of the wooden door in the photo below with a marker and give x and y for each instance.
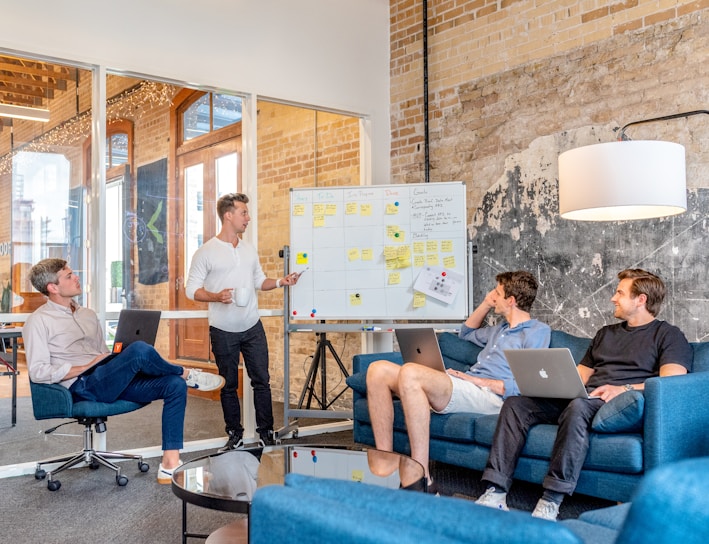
(203, 175)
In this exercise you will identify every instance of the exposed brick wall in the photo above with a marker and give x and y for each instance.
(288, 138)
(491, 52)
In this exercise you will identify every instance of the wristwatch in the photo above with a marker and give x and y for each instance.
(628, 387)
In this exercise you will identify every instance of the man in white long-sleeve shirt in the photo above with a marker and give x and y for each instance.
(226, 272)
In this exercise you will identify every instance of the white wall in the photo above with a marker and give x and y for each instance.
(329, 53)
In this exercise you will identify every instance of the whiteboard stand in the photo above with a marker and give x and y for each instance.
(319, 363)
(290, 416)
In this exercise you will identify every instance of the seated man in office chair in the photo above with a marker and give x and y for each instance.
(64, 343)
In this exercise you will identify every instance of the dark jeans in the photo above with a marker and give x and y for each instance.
(518, 414)
(139, 374)
(227, 346)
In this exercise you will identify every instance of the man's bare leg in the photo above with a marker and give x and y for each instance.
(420, 389)
(382, 384)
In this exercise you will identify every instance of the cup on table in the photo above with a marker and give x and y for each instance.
(241, 295)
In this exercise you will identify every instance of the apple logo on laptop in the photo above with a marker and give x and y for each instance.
(543, 374)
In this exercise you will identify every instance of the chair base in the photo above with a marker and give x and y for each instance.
(89, 456)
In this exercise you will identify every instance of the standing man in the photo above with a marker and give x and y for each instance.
(481, 389)
(226, 273)
(620, 358)
(64, 344)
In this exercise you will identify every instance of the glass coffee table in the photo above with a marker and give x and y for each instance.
(227, 481)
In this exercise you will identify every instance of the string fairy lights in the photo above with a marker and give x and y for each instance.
(131, 104)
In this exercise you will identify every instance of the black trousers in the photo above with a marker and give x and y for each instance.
(518, 415)
(227, 347)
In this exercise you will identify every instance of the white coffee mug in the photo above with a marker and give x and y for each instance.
(241, 295)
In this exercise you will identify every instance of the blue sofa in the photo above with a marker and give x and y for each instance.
(671, 506)
(671, 422)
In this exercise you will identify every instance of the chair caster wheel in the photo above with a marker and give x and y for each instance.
(144, 467)
(40, 474)
(53, 485)
(121, 480)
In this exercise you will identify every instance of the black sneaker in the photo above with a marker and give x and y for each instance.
(266, 438)
(235, 442)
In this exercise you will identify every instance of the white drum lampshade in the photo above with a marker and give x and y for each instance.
(622, 180)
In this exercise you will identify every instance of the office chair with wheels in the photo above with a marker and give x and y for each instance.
(51, 401)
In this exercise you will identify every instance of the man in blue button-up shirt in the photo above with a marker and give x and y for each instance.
(481, 389)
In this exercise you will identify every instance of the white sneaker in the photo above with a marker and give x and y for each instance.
(546, 510)
(493, 499)
(204, 381)
(165, 474)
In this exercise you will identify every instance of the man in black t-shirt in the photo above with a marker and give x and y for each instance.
(620, 358)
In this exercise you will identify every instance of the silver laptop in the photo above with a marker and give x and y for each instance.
(548, 372)
(420, 346)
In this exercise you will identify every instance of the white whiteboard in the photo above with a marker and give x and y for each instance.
(363, 249)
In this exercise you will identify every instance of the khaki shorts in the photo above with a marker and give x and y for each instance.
(468, 397)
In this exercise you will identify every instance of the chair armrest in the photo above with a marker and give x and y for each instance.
(50, 400)
(361, 362)
(676, 418)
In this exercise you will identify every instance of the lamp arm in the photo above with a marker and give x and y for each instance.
(623, 137)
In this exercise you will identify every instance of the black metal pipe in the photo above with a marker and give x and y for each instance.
(426, 150)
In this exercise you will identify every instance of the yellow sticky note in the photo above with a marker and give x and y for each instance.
(389, 252)
(419, 247)
(419, 260)
(447, 246)
(353, 254)
(367, 254)
(431, 245)
(449, 262)
(419, 300)
(365, 209)
(330, 209)
(298, 209)
(392, 209)
(432, 259)
(318, 221)
(301, 258)
(394, 233)
(403, 251)
(394, 278)
(350, 208)
(355, 299)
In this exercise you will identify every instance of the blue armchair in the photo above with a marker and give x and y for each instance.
(51, 401)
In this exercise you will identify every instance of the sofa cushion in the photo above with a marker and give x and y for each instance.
(576, 344)
(358, 382)
(621, 414)
(620, 453)
(701, 356)
(457, 353)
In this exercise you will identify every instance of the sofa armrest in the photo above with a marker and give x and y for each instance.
(676, 418)
(361, 362)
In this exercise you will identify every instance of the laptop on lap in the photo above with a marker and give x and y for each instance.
(546, 372)
(420, 346)
(133, 325)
